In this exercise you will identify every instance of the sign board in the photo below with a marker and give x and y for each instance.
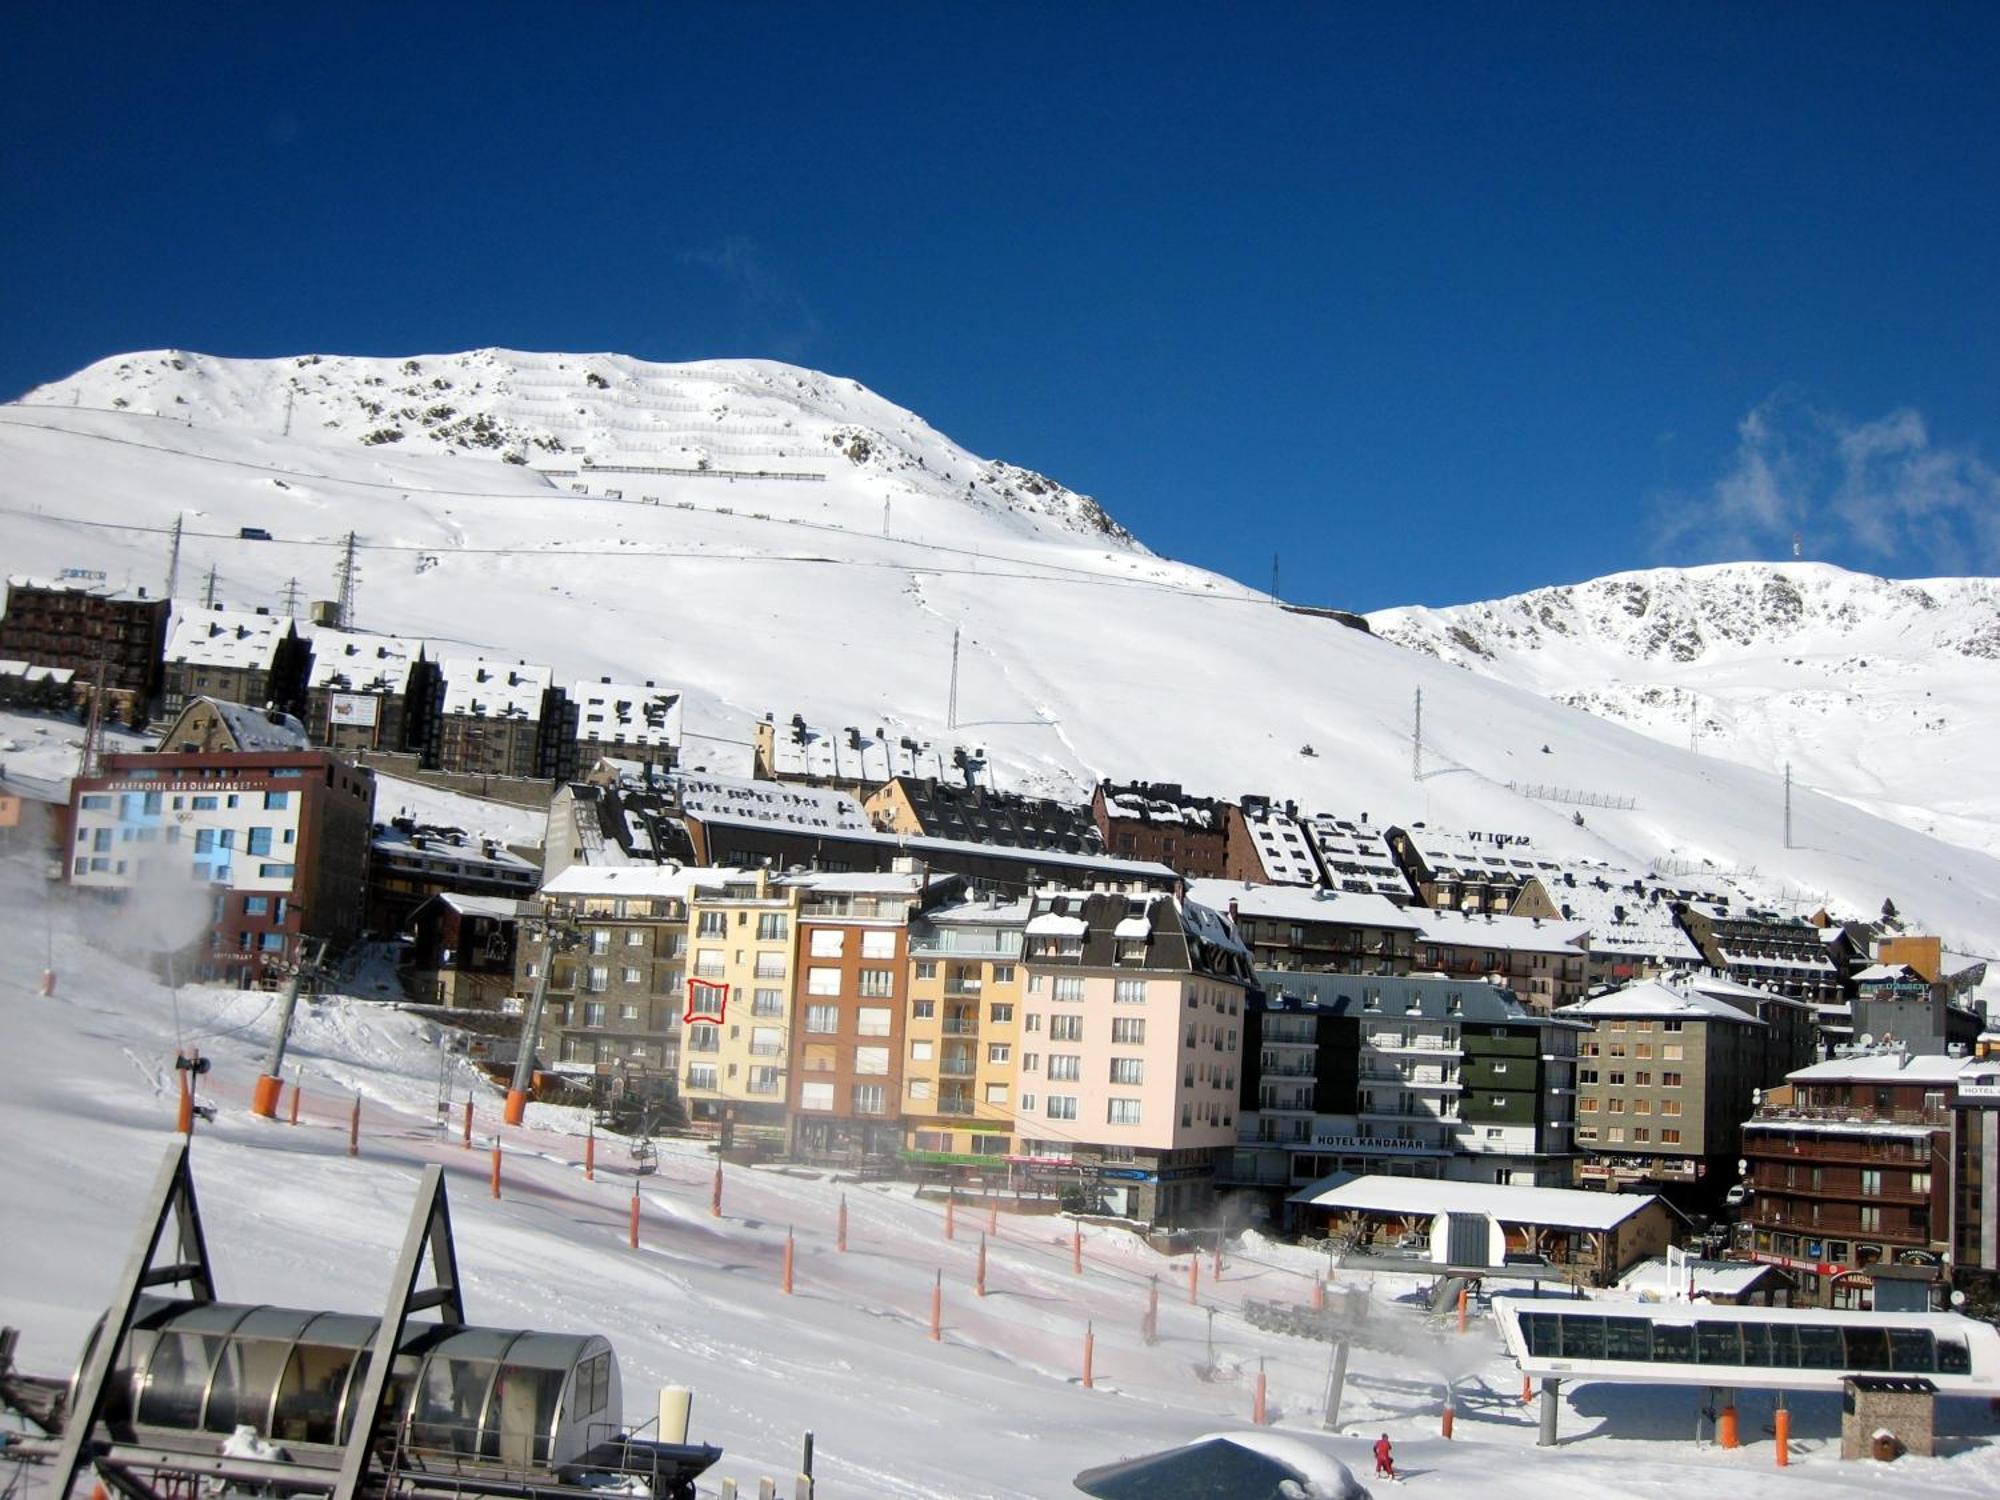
(357, 709)
(91, 574)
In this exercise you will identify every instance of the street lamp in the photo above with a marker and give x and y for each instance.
(559, 935)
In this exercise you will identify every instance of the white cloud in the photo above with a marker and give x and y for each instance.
(1877, 494)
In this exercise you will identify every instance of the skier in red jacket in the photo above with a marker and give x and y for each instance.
(1385, 1466)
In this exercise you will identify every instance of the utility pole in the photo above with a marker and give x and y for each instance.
(208, 589)
(94, 727)
(1788, 804)
(558, 936)
(951, 706)
(289, 394)
(885, 515)
(174, 557)
(292, 592)
(264, 1093)
(1274, 578)
(1417, 741)
(345, 574)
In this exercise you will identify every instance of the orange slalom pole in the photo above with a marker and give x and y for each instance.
(354, 1129)
(840, 1227)
(1527, 1390)
(496, 1166)
(1076, 1249)
(937, 1308)
(632, 1230)
(715, 1194)
(1783, 1424)
(590, 1154)
(992, 1215)
(1089, 1355)
(296, 1091)
(979, 1276)
(1258, 1410)
(1725, 1426)
(788, 1262)
(1464, 1299)
(1319, 1295)
(951, 1216)
(1152, 1325)
(1194, 1279)
(184, 1111)
(1449, 1414)
(1216, 1269)
(466, 1139)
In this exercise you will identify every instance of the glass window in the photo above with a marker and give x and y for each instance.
(1582, 1338)
(1627, 1338)
(1913, 1350)
(872, 1020)
(878, 942)
(1820, 1348)
(822, 981)
(815, 1096)
(827, 942)
(823, 1018)
(1954, 1357)
(1756, 1344)
(1718, 1344)
(1867, 1348)
(871, 1060)
(1673, 1343)
(275, 801)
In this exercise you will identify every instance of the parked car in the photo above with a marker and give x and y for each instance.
(253, 534)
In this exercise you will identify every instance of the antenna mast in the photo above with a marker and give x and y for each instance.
(292, 592)
(1788, 804)
(345, 573)
(951, 709)
(1274, 578)
(1417, 742)
(174, 557)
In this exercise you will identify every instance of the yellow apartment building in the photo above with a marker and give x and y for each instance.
(961, 1034)
(736, 1024)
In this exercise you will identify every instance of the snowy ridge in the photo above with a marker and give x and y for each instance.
(1080, 656)
(1880, 691)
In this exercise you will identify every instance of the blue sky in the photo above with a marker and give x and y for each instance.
(1438, 302)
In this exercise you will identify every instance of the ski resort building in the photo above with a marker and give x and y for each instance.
(1333, 932)
(1158, 821)
(474, 717)
(1131, 1049)
(1472, 872)
(257, 851)
(1541, 960)
(1264, 842)
(410, 862)
(1633, 922)
(1406, 1076)
(926, 808)
(1356, 857)
(961, 1075)
(79, 624)
(859, 761)
(1780, 953)
(621, 721)
(463, 950)
(737, 1037)
(357, 689)
(245, 656)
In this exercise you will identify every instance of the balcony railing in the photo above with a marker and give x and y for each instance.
(963, 986)
(966, 1026)
(955, 1104)
(958, 1067)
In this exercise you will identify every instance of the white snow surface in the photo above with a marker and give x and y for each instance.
(994, 1410)
(1883, 692)
(1080, 654)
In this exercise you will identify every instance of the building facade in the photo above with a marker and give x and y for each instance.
(963, 1036)
(1158, 821)
(737, 1041)
(1333, 932)
(77, 622)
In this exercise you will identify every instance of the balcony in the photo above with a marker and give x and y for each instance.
(958, 1067)
(1390, 1042)
(963, 986)
(961, 1026)
(767, 1049)
(955, 1104)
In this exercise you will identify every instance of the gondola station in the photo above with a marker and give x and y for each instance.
(175, 1388)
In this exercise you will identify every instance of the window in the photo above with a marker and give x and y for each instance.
(1062, 1106)
(923, 1010)
(1031, 1062)
(1065, 1028)
(101, 802)
(871, 1060)
(1069, 987)
(1670, 1137)
(870, 1099)
(926, 968)
(998, 1052)
(1671, 1025)
(708, 963)
(872, 1020)
(1032, 1023)
(593, 1013)
(712, 924)
(635, 938)
(827, 942)
(1003, 973)
(1615, 1133)
(1587, 1106)
(763, 1079)
(878, 942)
(1670, 1106)
(920, 1088)
(773, 926)
(1122, 1112)
(1670, 1080)
(636, 976)
(1642, 1133)
(1671, 1051)
(272, 942)
(256, 906)
(273, 801)
(815, 1096)
(923, 1051)
(1129, 992)
(1128, 1070)
(1129, 1031)
(878, 982)
(260, 841)
(600, 941)
(996, 1093)
(770, 965)
(1027, 1104)
(767, 1041)
(703, 1037)
(597, 979)
(1065, 1067)
(628, 1012)
(823, 1018)
(822, 981)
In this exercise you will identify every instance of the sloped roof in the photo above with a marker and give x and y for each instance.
(1547, 1208)
(1649, 998)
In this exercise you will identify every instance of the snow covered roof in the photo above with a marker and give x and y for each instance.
(28, 672)
(481, 689)
(780, 802)
(504, 907)
(453, 844)
(1548, 1208)
(1355, 856)
(854, 753)
(1282, 848)
(1160, 803)
(624, 714)
(82, 583)
(1887, 973)
(354, 661)
(880, 882)
(1479, 855)
(1649, 998)
(1628, 914)
(1209, 925)
(1717, 1278)
(1883, 1067)
(238, 638)
(981, 913)
(1293, 904)
(1056, 924)
(253, 729)
(639, 880)
(1506, 934)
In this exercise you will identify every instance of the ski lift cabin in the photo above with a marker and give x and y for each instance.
(510, 1397)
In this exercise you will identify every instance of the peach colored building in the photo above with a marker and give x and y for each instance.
(1130, 1050)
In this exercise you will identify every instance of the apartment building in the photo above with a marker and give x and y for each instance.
(963, 1035)
(79, 624)
(256, 851)
(1632, 918)
(1131, 1038)
(1473, 872)
(1335, 932)
(357, 689)
(464, 950)
(620, 720)
(1355, 857)
(617, 989)
(1777, 952)
(1851, 1169)
(1264, 841)
(738, 1036)
(1412, 1077)
(858, 760)
(924, 807)
(1157, 820)
(251, 657)
(850, 1003)
(1542, 960)
(488, 718)
(1666, 1079)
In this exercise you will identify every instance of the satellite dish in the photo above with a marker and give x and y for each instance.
(1867, 1038)
(1957, 1299)
(1742, 1166)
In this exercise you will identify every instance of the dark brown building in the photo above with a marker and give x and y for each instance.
(76, 622)
(1157, 821)
(463, 948)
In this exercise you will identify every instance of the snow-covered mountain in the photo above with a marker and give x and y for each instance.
(771, 539)
(1882, 692)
